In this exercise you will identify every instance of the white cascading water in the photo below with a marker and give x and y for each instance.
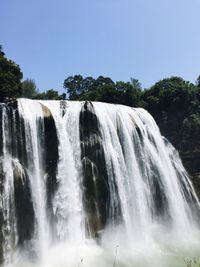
(7, 198)
(130, 175)
(68, 200)
(158, 206)
(32, 114)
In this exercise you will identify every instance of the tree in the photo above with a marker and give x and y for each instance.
(174, 103)
(52, 95)
(77, 86)
(136, 84)
(29, 88)
(74, 86)
(101, 81)
(1, 51)
(169, 93)
(198, 81)
(106, 93)
(10, 78)
(48, 95)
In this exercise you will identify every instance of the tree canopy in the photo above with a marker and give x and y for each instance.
(10, 78)
(29, 89)
(103, 89)
(174, 103)
(50, 94)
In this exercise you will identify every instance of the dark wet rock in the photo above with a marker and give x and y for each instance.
(20, 140)
(96, 189)
(23, 204)
(11, 102)
(51, 157)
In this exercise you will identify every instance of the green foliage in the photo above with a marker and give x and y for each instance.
(52, 94)
(48, 95)
(29, 89)
(10, 78)
(77, 87)
(174, 104)
(103, 89)
(198, 81)
(1, 51)
(74, 86)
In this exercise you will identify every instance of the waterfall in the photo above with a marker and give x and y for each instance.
(88, 183)
(67, 203)
(8, 227)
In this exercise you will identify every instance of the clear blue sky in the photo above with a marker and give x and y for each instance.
(144, 39)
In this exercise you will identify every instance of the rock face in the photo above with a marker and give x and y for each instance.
(23, 204)
(51, 158)
(11, 102)
(96, 193)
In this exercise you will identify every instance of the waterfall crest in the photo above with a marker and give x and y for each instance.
(92, 177)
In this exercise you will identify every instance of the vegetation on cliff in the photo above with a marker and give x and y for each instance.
(10, 77)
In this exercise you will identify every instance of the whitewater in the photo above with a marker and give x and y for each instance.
(92, 184)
